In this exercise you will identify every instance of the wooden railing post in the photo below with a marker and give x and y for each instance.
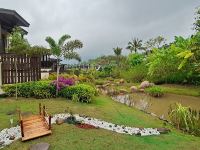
(50, 122)
(44, 111)
(22, 128)
(40, 109)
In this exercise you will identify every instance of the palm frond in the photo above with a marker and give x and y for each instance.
(55, 50)
(63, 39)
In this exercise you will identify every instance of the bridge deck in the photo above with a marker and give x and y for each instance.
(35, 125)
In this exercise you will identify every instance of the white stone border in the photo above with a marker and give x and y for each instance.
(5, 134)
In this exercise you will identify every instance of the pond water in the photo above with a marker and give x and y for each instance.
(158, 106)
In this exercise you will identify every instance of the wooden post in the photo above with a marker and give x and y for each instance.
(44, 111)
(40, 109)
(0, 74)
(16, 81)
(50, 122)
(22, 128)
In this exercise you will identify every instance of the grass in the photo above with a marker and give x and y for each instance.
(69, 137)
(181, 89)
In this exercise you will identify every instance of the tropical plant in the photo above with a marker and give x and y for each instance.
(135, 45)
(61, 49)
(118, 52)
(185, 118)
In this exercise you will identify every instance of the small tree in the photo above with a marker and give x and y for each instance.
(18, 44)
(153, 43)
(197, 20)
(118, 52)
(135, 45)
(60, 49)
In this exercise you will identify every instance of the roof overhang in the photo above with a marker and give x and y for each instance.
(10, 18)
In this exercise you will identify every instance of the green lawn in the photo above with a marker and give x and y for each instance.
(69, 137)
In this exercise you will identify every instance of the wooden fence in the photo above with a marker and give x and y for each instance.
(20, 68)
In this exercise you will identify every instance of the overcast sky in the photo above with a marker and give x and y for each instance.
(104, 24)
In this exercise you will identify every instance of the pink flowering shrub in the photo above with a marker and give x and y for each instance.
(63, 82)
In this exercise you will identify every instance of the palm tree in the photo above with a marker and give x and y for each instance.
(134, 45)
(61, 49)
(118, 52)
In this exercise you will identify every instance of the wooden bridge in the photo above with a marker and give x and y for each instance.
(35, 125)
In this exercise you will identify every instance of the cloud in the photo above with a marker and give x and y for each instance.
(104, 24)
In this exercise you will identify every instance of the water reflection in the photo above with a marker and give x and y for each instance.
(158, 106)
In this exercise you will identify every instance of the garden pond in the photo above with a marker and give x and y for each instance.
(159, 106)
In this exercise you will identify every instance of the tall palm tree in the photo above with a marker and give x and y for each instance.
(61, 49)
(135, 45)
(118, 52)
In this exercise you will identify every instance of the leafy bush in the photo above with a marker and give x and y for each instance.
(83, 91)
(135, 74)
(135, 59)
(37, 89)
(155, 91)
(185, 118)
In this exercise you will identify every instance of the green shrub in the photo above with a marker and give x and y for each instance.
(83, 91)
(155, 91)
(135, 59)
(42, 90)
(37, 89)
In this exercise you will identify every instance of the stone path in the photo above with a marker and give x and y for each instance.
(9, 135)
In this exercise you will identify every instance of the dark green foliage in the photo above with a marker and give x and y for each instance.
(185, 119)
(83, 91)
(38, 89)
(155, 91)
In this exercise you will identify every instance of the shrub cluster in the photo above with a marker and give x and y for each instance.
(39, 89)
(45, 89)
(155, 91)
(82, 91)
